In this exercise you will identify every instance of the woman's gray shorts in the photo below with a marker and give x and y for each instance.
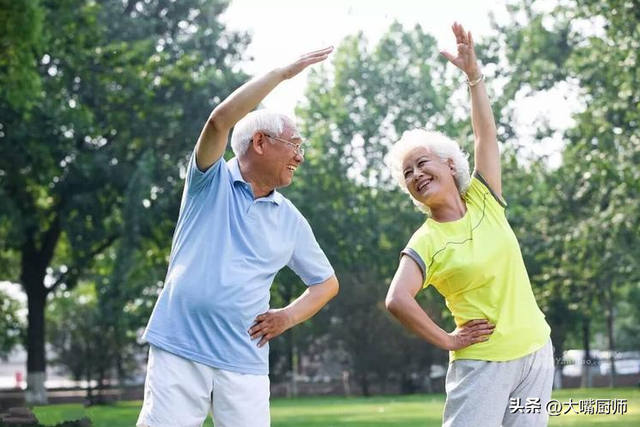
(491, 394)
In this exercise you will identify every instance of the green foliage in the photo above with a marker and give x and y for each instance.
(21, 41)
(588, 219)
(359, 217)
(90, 167)
(100, 108)
(11, 324)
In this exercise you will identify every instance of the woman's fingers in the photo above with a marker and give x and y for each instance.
(478, 328)
(447, 55)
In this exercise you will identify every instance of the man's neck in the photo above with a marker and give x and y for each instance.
(259, 188)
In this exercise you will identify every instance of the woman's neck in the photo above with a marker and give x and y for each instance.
(450, 209)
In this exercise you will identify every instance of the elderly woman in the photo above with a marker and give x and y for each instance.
(501, 363)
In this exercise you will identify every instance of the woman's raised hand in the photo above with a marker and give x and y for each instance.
(466, 56)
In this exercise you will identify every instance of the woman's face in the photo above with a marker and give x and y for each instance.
(428, 177)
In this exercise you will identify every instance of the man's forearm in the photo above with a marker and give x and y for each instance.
(245, 98)
(213, 138)
(311, 301)
(275, 321)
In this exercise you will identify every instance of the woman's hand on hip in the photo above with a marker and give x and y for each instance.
(472, 332)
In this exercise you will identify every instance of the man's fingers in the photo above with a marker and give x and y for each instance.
(262, 329)
(261, 322)
(323, 51)
(265, 339)
(317, 54)
(257, 330)
(315, 60)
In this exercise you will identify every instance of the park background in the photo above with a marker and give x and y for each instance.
(101, 102)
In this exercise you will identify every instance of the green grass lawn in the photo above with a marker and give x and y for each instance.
(395, 411)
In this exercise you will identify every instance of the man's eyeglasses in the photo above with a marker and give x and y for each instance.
(296, 147)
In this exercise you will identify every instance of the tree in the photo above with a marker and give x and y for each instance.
(119, 107)
(359, 217)
(593, 197)
(21, 43)
(11, 325)
(77, 338)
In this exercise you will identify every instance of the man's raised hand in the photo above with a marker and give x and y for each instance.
(305, 60)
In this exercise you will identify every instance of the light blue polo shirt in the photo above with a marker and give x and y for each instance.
(226, 250)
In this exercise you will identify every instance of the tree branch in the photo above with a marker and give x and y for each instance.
(73, 273)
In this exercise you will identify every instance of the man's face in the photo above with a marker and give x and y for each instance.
(282, 157)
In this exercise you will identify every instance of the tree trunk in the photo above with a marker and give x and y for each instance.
(558, 337)
(612, 353)
(558, 360)
(586, 363)
(33, 269)
(364, 384)
(36, 393)
(295, 365)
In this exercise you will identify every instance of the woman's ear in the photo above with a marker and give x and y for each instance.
(452, 167)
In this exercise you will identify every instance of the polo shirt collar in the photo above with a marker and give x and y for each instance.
(236, 176)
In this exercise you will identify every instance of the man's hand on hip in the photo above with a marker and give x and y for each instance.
(271, 324)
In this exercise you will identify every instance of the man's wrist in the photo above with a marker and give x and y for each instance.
(279, 74)
(289, 315)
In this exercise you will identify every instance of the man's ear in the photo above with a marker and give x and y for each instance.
(257, 142)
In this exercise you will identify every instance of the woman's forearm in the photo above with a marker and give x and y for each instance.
(484, 126)
(412, 316)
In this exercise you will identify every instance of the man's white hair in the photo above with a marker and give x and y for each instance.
(437, 143)
(265, 120)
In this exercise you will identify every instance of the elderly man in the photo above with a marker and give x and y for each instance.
(211, 325)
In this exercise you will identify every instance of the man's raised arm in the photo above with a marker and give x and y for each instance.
(213, 138)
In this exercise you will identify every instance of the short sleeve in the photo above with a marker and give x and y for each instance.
(308, 260)
(197, 180)
(417, 250)
(478, 187)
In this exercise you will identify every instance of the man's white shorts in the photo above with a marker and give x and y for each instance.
(180, 393)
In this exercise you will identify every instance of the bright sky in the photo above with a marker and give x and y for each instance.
(283, 29)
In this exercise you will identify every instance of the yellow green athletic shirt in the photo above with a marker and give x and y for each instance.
(476, 264)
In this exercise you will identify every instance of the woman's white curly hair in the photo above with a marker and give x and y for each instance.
(437, 143)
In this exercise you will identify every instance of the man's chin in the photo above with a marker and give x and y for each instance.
(285, 183)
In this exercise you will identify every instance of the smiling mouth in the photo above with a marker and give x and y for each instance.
(421, 186)
(292, 168)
